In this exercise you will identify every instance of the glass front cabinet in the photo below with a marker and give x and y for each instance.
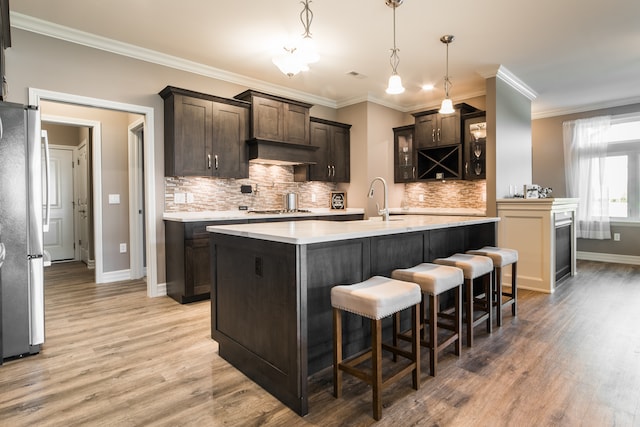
(404, 154)
(475, 142)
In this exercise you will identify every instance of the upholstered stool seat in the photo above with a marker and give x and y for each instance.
(375, 298)
(502, 257)
(434, 280)
(474, 266)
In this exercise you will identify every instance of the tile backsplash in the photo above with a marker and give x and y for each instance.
(272, 181)
(447, 194)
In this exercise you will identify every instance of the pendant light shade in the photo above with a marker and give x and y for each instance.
(395, 85)
(289, 62)
(395, 82)
(447, 104)
(446, 107)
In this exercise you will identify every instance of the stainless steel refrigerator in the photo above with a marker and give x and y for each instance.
(21, 219)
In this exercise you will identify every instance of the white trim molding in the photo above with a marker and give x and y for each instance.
(511, 79)
(151, 219)
(61, 32)
(613, 258)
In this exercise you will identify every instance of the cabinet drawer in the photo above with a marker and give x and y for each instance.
(198, 230)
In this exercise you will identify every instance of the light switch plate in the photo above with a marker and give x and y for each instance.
(179, 198)
(114, 199)
(190, 198)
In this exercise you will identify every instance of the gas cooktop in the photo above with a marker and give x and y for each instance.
(277, 211)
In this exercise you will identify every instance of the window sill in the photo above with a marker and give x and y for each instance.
(626, 222)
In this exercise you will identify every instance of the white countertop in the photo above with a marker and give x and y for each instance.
(306, 232)
(238, 214)
(438, 211)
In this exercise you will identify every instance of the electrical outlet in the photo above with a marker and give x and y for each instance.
(123, 248)
(190, 198)
(313, 197)
(616, 237)
(421, 198)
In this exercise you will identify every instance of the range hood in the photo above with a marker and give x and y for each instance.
(281, 153)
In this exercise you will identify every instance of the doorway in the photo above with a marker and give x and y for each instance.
(36, 97)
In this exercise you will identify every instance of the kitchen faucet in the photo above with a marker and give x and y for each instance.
(385, 209)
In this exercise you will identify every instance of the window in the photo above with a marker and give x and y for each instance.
(621, 174)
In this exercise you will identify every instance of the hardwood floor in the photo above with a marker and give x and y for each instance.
(114, 357)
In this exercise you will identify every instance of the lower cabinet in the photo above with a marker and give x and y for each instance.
(187, 254)
(187, 259)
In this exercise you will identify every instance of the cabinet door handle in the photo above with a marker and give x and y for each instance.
(208, 161)
(216, 160)
(333, 171)
(328, 171)
(413, 172)
(438, 134)
(466, 168)
(433, 135)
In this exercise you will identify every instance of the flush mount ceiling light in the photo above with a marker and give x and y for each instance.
(297, 58)
(447, 105)
(395, 82)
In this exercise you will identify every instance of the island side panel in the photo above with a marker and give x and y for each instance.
(328, 265)
(255, 314)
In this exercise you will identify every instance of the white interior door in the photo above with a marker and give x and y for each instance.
(82, 204)
(58, 241)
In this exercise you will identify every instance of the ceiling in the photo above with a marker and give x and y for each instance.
(573, 55)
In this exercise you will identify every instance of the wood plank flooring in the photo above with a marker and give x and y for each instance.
(114, 357)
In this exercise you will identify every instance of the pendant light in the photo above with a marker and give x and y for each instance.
(395, 82)
(447, 105)
(297, 58)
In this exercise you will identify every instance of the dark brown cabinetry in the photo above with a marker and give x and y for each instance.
(187, 253)
(433, 129)
(277, 119)
(272, 319)
(333, 156)
(438, 140)
(204, 135)
(187, 259)
(404, 154)
(475, 146)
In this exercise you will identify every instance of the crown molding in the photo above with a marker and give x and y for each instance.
(49, 29)
(511, 79)
(583, 108)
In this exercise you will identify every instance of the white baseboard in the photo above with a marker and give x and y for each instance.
(161, 290)
(617, 259)
(116, 276)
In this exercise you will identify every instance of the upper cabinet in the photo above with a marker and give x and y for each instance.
(204, 134)
(475, 146)
(277, 119)
(439, 149)
(433, 129)
(333, 155)
(404, 157)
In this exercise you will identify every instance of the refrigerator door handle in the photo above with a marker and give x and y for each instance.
(47, 204)
(36, 301)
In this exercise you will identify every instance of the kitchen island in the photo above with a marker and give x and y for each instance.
(271, 284)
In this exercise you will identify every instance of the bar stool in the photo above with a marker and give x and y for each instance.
(375, 298)
(434, 280)
(474, 266)
(501, 257)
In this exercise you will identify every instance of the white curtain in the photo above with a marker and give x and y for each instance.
(585, 153)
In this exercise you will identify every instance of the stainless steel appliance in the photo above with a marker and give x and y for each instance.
(290, 202)
(21, 214)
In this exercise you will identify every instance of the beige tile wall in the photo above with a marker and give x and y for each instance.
(273, 181)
